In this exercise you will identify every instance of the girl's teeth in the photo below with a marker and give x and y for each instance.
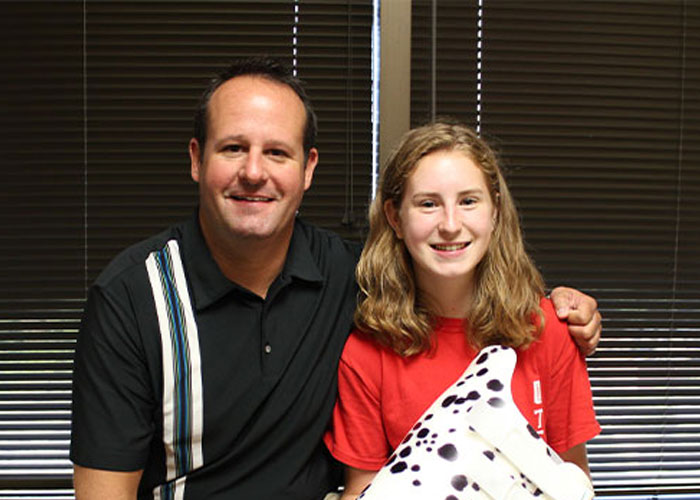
(449, 248)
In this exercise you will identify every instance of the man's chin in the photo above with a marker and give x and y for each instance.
(260, 233)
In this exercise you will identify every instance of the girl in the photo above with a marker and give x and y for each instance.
(443, 274)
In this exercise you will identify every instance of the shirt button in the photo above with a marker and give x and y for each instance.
(268, 348)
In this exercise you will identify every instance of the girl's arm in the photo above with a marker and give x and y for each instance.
(356, 480)
(577, 455)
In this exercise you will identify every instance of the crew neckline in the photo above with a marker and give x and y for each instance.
(450, 325)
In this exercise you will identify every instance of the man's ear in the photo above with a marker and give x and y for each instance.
(195, 161)
(311, 162)
(392, 216)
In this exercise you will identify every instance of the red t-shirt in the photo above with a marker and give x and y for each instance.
(381, 395)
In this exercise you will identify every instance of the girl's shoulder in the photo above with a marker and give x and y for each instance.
(555, 329)
(361, 348)
(554, 347)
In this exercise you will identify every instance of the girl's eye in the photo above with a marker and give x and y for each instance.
(426, 204)
(468, 201)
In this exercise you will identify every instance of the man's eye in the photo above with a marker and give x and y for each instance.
(277, 152)
(233, 148)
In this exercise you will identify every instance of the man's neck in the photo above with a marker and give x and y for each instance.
(253, 272)
(252, 264)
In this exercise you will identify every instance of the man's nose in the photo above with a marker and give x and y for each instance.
(253, 170)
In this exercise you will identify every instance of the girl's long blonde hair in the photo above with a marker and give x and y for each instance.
(505, 308)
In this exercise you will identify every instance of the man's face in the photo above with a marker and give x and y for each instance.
(252, 175)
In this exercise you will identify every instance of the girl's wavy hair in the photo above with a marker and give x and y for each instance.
(505, 308)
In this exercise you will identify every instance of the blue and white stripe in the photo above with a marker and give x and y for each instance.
(182, 376)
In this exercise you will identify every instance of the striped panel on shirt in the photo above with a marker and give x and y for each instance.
(182, 377)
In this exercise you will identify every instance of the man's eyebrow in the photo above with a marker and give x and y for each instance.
(231, 138)
(242, 138)
(278, 143)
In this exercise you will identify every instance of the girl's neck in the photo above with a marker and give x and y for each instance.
(449, 300)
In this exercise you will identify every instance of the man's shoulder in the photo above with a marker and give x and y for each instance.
(134, 256)
(327, 244)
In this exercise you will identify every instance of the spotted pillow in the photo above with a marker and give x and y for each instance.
(473, 443)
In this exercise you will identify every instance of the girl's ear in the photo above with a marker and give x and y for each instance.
(392, 216)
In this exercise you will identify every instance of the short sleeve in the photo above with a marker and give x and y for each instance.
(569, 407)
(113, 402)
(356, 434)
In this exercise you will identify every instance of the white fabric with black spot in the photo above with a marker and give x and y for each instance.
(473, 443)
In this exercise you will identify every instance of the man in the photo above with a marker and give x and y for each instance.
(206, 362)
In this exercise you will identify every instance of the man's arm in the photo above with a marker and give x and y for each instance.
(581, 313)
(95, 484)
(112, 401)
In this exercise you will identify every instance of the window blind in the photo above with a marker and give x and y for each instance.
(443, 61)
(335, 61)
(99, 99)
(41, 230)
(595, 107)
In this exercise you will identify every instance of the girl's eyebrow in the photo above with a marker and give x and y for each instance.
(436, 193)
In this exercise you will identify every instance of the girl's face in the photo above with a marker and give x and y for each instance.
(445, 219)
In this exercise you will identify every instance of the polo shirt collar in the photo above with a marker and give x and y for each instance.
(207, 282)
(300, 262)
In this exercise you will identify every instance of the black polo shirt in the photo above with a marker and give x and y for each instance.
(259, 374)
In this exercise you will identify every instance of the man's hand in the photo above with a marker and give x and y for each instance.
(581, 312)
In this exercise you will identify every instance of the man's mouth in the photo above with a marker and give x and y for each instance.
(252, 198)
(449, 247)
